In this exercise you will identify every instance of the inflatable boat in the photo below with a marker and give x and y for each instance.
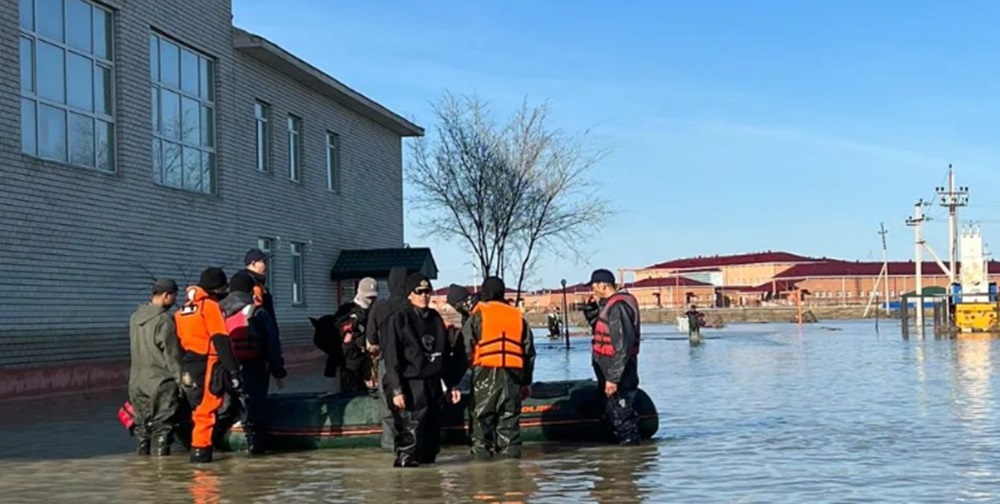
(556, 411)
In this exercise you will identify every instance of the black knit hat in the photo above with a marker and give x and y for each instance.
(417, 281)
(213, 279)
(493, 289)
(241, 283)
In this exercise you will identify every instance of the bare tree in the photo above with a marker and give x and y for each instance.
(509, 192)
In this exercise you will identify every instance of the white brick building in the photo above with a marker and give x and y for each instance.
(145, 138)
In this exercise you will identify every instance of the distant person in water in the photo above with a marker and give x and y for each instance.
(615, 322)
(555, 323)
(696, 320)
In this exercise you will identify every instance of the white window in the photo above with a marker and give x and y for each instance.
(266, 245)
(183, 104)
(67, 76)
(333, 162)
(294, 147)
(297, 274)
(262, 112)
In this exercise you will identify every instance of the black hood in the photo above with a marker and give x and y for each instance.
(235, 302)
(397, 283)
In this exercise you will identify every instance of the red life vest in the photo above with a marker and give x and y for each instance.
(238, 325)
(602, 333)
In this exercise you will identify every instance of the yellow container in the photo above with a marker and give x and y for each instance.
(976, 317)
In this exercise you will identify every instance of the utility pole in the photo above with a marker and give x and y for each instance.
(918, 241)
(951, 199)
(885, 265)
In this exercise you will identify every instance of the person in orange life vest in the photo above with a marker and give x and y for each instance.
(615, 350)
(155, 370)
(256, 270)
(503, 360)
(414, 348)
(255, 340)
(209, 364)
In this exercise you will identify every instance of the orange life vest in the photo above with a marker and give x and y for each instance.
(198, 320)
(258, 295)
(601, 343)
(501, 342)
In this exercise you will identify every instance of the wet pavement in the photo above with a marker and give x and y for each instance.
(756, 413)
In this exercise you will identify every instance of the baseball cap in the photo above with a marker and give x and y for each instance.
(368, 287)
(254, 255)
(602, 276)
(164, 286)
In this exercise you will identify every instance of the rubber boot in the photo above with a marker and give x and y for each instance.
(255, 444)
(161, 446)
(201, 455)
(142, 447)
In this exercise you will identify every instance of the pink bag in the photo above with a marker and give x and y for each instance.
(126, 415)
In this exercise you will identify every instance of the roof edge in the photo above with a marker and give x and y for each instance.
(308, 74)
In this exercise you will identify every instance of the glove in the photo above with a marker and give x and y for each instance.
(591, 311)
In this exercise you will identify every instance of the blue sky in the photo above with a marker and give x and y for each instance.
(735, 126)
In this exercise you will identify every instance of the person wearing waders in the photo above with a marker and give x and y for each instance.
(555, 323)
(414, 348)
(254, 336)
(209, 367)
(503, 359)
(378, 320)
(615, 352)
(155, 370)
(696, 320)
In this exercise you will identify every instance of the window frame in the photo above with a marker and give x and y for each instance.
(294, 134)
(297, 252)
(96, 63)
(262, 120)
(333, 162)
(210, 102)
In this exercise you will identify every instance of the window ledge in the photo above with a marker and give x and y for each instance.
(40, 162)
(211, 196)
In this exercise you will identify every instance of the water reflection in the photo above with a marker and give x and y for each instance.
(755, 414)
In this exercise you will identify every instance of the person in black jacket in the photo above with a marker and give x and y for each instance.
(254, 337)
(415, 346)
(378, 320)
(615, 323)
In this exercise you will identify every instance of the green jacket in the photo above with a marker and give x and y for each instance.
(155, 350)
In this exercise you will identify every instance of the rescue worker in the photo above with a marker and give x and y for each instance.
(503, 360)
(350, 320)
(254, 337)
(463, 302)
(696, 320)
(209, 364)
(414, 347)
(155, 370)
(378, 320)
(555, 323)
(615, 323)
(256, 269)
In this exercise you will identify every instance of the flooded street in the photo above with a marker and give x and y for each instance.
(757, 413)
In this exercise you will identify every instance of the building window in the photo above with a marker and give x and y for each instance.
(297, 274)
(262, 113)
(266, 245)
(183, 105)
(333, 162)
(67, 76)
(294, 147)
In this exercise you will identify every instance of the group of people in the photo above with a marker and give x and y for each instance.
(197, 371)
(219, 351)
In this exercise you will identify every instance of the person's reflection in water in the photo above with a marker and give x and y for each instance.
(617, 473)
(505, 481)
(204, 487)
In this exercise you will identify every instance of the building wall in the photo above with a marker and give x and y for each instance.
(80, 246)
(742, 274)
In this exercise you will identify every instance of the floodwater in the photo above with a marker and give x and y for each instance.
(757, 413)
